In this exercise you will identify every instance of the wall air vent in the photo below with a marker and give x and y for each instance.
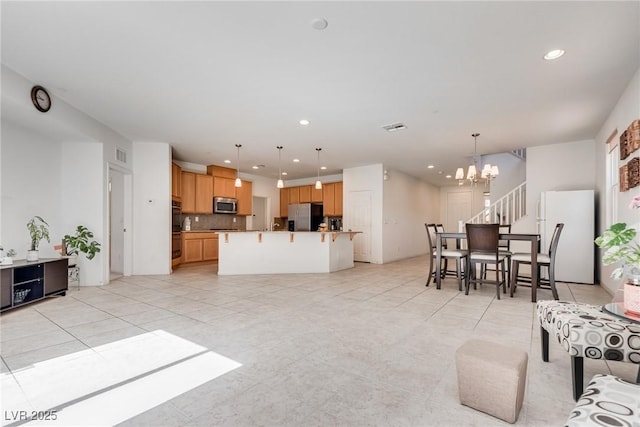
(121, 155)
(394, 127)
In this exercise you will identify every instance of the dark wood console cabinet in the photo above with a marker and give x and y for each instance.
(24, 282)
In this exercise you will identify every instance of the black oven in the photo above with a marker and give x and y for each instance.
(176, 216)
(176, 245)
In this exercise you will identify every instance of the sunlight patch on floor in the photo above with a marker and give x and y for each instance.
(111, 383)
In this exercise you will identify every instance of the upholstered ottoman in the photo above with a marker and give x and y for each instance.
(491, 378)
(607, 401)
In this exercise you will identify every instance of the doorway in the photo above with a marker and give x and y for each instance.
(259, 220)
(458, 209)
(116, 224)
(360, 219)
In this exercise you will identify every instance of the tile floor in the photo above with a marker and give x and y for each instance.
(369, 346)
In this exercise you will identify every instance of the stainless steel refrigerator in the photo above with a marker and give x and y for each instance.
(305, 216)
(576, 250)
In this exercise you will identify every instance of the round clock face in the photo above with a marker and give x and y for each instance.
(40, 98)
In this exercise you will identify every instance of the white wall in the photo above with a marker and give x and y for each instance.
(513, 172)
(626, 110)
(43, 139)
(80, 188)
(407, 205)
(30, 185)
(557, 167)
(366, 178)
(265, 187)
(152, 208)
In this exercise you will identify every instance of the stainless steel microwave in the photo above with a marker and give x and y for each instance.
(225, 205)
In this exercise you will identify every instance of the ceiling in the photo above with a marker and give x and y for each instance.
(204, 76)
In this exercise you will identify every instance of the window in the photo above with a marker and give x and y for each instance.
(612, 179)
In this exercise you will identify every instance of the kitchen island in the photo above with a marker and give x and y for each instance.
(282, 252)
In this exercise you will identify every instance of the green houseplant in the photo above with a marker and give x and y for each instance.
(621, 246)
(80, 243)
(38, 230)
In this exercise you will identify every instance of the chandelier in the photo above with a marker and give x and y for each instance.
(474, 172)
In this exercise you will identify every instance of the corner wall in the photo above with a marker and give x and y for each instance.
(626, 111)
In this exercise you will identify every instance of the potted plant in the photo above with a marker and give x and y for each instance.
(38, 230)
(7, 259)
(621, 246)
(80, 243)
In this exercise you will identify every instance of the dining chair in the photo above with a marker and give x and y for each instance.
(544, 260)
(504, 247)
(446, 254)
(483, 246)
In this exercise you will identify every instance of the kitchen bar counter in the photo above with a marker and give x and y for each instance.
(282, 252)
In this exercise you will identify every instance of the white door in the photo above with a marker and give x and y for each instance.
(359, 219)
(259, 216)
(458, 209)
(116, 223)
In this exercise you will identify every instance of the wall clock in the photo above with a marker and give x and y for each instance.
(41, 98)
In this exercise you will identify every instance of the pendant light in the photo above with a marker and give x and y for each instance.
(280, 181)
(238, 180)
(318, 183)
(474, 172)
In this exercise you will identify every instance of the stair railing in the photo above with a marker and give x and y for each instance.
(506, 210)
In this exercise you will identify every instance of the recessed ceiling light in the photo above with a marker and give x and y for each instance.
(323, 168)
(227, 161)
(430, 167)
(553, 54)
(284, 173)
(304, 122)
(319, 23)
(255, 167)
(296, 160)
(448, 176)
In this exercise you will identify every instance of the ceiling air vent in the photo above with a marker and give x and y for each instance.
(121, 155)
(394, 127)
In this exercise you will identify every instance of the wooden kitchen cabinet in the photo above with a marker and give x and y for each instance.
(284, 202)
(199, 246)
(337, 197)
(224, 187)
(210, 248)
(304, 195)
(197, 190)
(332, 199)
(316, 195)
(244, 195)
(221, 171)
(188, 191)
(294, 195)
(204, 194)
(176, 182)
(328, 202)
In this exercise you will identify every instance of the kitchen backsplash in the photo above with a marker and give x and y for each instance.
(216, 221)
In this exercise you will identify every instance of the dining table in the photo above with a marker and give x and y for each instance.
(533, 239)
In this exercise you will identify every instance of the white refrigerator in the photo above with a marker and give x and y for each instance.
(576, 249)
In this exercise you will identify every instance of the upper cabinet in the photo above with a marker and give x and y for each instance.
(176, 182)
(304, 192)
(204, 194)
(224, 187)
(188, 191)
(294, 195)
(284, 202)
(244, 195)
(330, 196)
(332, 199)
(197, 192)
